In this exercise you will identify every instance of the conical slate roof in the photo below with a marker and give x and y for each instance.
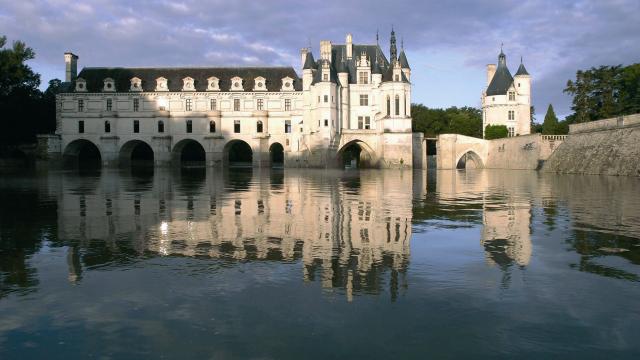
(403, 61)
(502, 79)
(309, 62)
(522, 70)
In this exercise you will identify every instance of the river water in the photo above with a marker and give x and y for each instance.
(319, 264)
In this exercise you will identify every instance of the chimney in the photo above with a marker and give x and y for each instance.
(303, 55)
(349, 46)
(491, 70)
(71, 66)
(325, 50)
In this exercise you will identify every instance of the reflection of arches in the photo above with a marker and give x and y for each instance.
(469, 160)
(188, 153)
(276, 154)
(136, 153)
(356, 154)
(238, 153)
(82, 153)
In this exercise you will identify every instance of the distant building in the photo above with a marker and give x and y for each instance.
(507, 99)
(351, 107)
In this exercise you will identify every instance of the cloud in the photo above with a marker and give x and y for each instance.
(556, 38)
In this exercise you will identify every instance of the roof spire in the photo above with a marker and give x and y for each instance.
(393, 51)
(377, 38)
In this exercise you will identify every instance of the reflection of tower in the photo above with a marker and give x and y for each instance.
(506, 236)
(73, 262)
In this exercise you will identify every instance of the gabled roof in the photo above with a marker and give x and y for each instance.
(403, 60)
(174, 76)
(502, 79)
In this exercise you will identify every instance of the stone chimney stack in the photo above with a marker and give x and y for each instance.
(349, 46)
(325, 50)
(491, 70)
(71, 66)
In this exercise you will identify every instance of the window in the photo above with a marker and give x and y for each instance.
(512, 115)
(236, 104)
(511, 131)
(259, 104)
(325, 77)
(326, 98)
(397, 78)
(397, 105)
(160, 126)
(189, 126)
(364, 100)
(81, 127)
(107, 126)
(259, 126)
(187, 105)
(326, 122)
(363, 77)
(367, 122)
(136, 126)
(287, 126)
(388, 106)
(80, 105)
(360, 122)
(136, 104)
(213, 104)
(518, 84)
(512, 96)
(236, 126)
(287, 104)
(109, 104)
(212, 126)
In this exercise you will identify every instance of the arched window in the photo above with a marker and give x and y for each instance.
(212, 126)
(107, 126)
(160, 126)
(259, 126)
(189, 126)
(388, 105)
(397, 105)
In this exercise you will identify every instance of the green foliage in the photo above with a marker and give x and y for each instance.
(604, 92)
(550, 124)
(432, 122)
(495, 132)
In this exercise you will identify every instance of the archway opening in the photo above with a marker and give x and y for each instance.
(469, 160)
(136, 154)
(276, 155)
(82, 154)
(355, 155)
(239, 154)
(189, 154)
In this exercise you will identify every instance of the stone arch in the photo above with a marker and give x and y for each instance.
(469, 160)
(238, 153)
(189, 153)
(136, 153)
(276, 154)
(356, 154)
(82, 153)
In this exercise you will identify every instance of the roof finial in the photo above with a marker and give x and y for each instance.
(520, 59)
(377, 38)
(402, 43)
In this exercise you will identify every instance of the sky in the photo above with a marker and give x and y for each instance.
(448, 43)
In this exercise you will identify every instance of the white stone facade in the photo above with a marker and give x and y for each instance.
(351, 105)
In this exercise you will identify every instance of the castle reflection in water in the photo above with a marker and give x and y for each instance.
(349, 230)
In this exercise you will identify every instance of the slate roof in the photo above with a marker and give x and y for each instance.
(403, 60)
(521, 70)
(309, 62)
(502, 79)
(122, 76)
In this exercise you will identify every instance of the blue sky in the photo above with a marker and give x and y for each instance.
(448, 43)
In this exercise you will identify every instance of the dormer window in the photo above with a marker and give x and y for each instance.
(325, 77)
(259, 84)
(81, 84)
(236, 84)
(512, 96)
(162, 84)
(363, 77)
(109, 85)
(287, 84)
(188, 84)
(213, 84)
(136, 84)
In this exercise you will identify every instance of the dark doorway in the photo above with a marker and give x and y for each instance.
(276, 154)
(240, 154)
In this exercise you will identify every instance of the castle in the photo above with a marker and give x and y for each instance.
(351, 108)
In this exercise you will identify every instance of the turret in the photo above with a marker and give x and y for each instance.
(404, 63)
(308, 69)
(71, 66)
(522, 80)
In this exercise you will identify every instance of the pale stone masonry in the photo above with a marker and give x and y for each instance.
(352, 106)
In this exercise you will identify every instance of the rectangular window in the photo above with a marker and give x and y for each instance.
(364, 100)
(325, 77)
(397, 105)
(212, 126)
(287, 126)
(287, 104)
(109, 104)
(259, 126)
(512, 96)
(397, 78)
(187, 105)
(259, 104)
(236, 126)
(189, 126)
(136, 126)
(360, 122)
(363, 77)
(367, 122)
(136, 104)
(511, 131)
(160, 126)
(236, 104)
(107, 126)
(80, 105)
(213, 104)
(326, 122)
(512, 115)
(81, 127)
(326, 98)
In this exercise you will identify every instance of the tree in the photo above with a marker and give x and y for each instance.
(550, 124)
(495, 132)
(432, 122)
